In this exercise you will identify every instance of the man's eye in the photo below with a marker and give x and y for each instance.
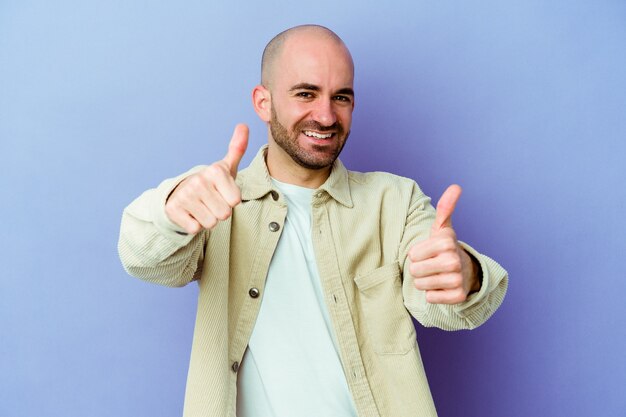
(304, 94)
(342, 98)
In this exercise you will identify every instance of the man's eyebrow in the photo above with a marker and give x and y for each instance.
(346, 91)
(305, 86)
(312, 87)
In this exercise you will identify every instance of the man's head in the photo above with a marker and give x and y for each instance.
(273, 49)
(306, 95)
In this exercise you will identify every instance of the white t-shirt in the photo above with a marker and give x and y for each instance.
(292, 367)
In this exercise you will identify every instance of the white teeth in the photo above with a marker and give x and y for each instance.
(317, 135)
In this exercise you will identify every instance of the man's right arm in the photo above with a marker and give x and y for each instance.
(163, 231)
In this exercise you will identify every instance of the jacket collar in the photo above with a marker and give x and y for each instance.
(255, 180)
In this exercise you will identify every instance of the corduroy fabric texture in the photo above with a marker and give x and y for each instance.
(363, 225)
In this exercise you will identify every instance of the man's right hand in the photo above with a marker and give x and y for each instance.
(204, 198)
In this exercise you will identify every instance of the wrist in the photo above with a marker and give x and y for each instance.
(477, 274)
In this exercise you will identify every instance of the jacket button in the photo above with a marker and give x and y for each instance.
(274, 226)
(235, 367)
(274, 195)
(254, 292)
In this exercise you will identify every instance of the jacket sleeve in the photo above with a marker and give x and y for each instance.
(152, 247)
(477, 308)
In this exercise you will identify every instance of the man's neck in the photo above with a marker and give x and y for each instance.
(284, 169)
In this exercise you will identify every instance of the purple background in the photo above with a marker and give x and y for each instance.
(522, 102)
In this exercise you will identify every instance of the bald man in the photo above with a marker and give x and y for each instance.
(308, 273)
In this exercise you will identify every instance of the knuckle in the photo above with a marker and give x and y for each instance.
(210, 170)
(193, 227)
(237, 198)
(419, 284)
(459, 297)
(453, 264)
(235, 201)
(210, 223)
(414, 269)
(195, 180)
(449, 233)
(447, 244)
(184, 198)
(194, 186)
(170, 209)
(416, 283)
(234, 197)
(411, 253)
(215, 170)
(416, 250)
(224, 214)
(456, 281)
(208, 174)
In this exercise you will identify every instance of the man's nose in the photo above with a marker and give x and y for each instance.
(324, 113)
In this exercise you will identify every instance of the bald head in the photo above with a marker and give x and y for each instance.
(275, 47)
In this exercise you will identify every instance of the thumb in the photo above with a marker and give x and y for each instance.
(445, 207)
(237, 147)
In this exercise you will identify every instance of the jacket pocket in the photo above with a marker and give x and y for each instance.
(387, 321)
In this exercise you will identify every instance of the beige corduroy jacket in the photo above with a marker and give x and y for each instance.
(363, 225)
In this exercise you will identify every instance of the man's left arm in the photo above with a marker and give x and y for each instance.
(447, 284)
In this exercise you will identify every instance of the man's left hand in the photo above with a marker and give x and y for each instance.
(439, 265)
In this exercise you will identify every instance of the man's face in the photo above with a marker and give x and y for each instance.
(312, 101)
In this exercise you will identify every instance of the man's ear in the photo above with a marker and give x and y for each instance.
(262, 102)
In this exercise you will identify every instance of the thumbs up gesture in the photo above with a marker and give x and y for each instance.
(439, 265)
(204, 198)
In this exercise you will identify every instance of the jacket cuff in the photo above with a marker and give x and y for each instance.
(478, 301)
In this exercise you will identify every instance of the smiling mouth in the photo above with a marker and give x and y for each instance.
(316, 135)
